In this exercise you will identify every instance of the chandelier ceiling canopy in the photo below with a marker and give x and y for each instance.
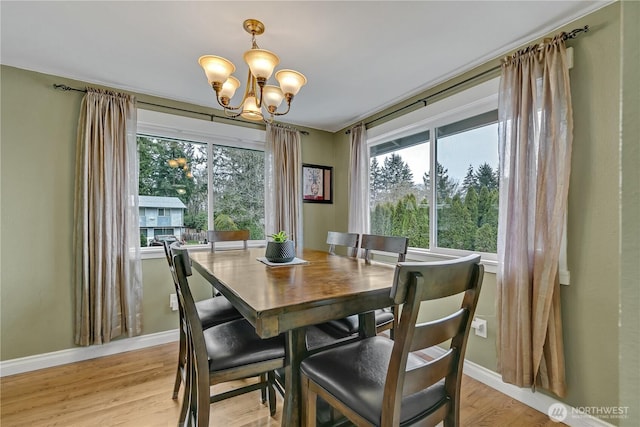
(257, 93)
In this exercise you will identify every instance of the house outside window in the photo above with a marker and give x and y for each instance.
(163, 216)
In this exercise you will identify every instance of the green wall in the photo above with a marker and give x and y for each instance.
(630, 215)
(36, 177)
(596, 244)
(37, 161)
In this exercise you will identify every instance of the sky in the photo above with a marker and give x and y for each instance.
(455, 153)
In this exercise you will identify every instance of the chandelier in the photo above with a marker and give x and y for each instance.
(257, 94)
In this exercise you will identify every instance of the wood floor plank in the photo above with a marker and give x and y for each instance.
(134, 389)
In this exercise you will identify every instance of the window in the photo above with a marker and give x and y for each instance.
(195, 176)
(173, 185)
(238, 190)
(467, 198)
(399, 179)
(454, 145)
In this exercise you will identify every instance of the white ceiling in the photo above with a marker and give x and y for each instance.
(359, 57)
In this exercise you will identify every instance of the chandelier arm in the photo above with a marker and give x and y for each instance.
(275, 113)
(232, 114)
(226, 107)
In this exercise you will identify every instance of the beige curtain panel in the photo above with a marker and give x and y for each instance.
(535, 134)
(359, 181)
(283, 182)
(108, 277)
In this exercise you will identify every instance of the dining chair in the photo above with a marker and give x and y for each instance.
(391, 385)
(211, 312)
(349, 240)
(227, 236)
(385, 318)
(226, 352)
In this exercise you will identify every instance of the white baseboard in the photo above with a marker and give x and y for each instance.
(538, 401)
(77, 354)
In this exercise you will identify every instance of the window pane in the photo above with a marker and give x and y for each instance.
(467, 186)
(398, 183)
(238, 190)
(173, 190)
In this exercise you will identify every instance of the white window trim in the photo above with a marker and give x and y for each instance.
(154, 123)
(475, 100)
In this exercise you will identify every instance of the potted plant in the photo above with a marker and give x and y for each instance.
(280, 249)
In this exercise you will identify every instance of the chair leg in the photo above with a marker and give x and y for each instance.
(263, 390)
(271, 378)
(187, 397)
(309, 401)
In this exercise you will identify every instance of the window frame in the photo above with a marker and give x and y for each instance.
(476, 100)
(162, 125)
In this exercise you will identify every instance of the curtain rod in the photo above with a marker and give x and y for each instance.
(66, 88)
(566, 36)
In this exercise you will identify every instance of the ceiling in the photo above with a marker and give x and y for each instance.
(359, 57)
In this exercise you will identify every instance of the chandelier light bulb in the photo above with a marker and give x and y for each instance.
(229, 89)
(216, 68)
(272, 97)
(290, 81)
(261, 62)
(250, 110)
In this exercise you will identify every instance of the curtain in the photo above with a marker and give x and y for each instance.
(108, 276)
(283, 183)
(535, 133)
(359, 181)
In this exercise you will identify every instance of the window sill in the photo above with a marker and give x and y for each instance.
(154, 252)
(490, 266)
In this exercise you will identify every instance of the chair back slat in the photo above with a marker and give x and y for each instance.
(227, 236)
(421, 377)
(439, 281)
(350, 240)
(391, 244)
(433, 333)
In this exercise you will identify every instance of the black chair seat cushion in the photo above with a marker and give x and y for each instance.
(349, 325)
(214, 311)
(355, 374)
(235, 343)
(316, 337)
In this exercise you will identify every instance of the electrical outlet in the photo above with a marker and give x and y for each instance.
(480, 325)
(173, 302)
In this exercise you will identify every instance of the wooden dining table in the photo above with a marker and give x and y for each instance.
(286, 299)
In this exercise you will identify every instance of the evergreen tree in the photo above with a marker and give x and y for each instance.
(376, 186)
(422, 234)
(471, 204)
(486, 239)
(446, 187)
(456, 231)
(470, 180)
(396, 172)
(485, 177)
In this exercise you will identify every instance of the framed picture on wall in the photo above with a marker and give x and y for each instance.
(317, 184)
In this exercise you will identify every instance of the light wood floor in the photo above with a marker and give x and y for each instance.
(134, 389)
